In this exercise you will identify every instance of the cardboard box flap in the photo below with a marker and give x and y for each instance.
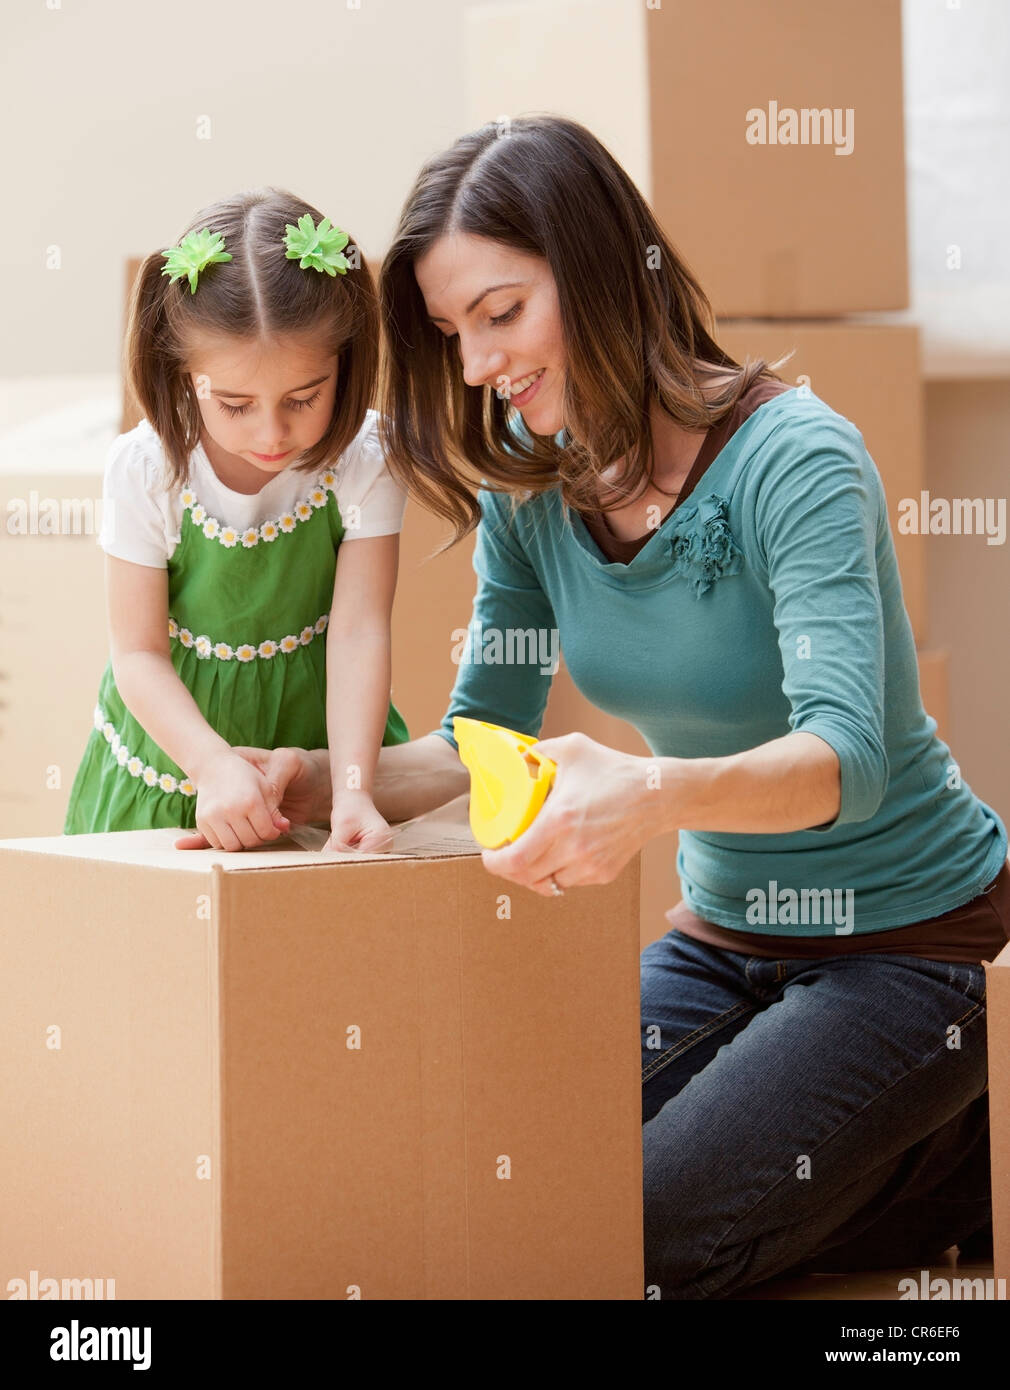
(443, 833)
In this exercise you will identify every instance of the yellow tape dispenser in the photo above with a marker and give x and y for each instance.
(509, 780)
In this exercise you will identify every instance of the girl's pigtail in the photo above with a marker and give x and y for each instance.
(151, 357)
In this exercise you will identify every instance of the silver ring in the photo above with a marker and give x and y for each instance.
(558, 892)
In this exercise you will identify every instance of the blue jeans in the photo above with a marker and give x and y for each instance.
(807, 1115)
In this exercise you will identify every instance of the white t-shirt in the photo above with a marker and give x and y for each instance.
(142, 514)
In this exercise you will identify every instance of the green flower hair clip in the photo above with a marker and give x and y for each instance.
(194, 254)
(316, 247)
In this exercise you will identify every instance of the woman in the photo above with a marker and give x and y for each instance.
(713, 548)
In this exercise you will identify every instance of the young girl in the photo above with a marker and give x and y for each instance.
(246, 516)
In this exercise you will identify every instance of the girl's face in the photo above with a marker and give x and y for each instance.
(502, 306)
(263, 403)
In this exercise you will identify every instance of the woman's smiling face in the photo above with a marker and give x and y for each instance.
(502, 306)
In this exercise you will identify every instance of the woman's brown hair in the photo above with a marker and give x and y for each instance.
(259, 293)
(636, 325)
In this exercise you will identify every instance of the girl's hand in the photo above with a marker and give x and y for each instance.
(356, 824)
(235, 804)
(294, 776)
(598, 814)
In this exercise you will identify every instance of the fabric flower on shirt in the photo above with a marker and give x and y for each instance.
(705, 551)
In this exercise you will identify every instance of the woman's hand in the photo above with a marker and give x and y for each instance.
(356, 824)
(599, 813)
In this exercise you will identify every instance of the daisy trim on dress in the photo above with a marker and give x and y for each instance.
(165, 781)
(229, 536)
(247, 651)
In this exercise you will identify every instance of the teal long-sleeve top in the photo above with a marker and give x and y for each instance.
(768, 602)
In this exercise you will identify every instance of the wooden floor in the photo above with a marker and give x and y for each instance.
(877, 1284)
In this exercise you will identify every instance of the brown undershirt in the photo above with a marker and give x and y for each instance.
(974, 932)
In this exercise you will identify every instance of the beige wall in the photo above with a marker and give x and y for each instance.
(102, 159)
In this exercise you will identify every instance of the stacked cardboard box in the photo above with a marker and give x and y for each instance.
(769, 141)
(52, 637)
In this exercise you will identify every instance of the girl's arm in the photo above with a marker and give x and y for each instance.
(137, 601)
(137, 605)
(358, 661)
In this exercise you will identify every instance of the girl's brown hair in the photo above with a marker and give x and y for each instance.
(636, 324)
(259, 293)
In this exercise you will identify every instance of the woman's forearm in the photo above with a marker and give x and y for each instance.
(410, 778)
(153, 693)
(791, 783)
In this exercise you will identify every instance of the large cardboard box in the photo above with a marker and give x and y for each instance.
(769, 139)
(870, 373)
(282, 1074)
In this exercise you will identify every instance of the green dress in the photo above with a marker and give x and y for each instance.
(248, 612)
